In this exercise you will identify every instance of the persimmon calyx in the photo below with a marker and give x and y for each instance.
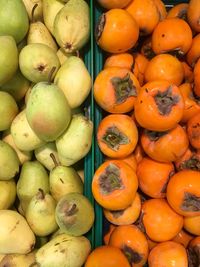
(190, 202)
(124, 88)
(166, 100)
(133, 256)
(193, 164)
(114, 138)
(110, 180)
(193, 256)
(164, 188)
(117, 213)
(100, 27)
(153, 135)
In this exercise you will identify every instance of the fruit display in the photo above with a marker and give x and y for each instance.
(46, 132)
(147, 121)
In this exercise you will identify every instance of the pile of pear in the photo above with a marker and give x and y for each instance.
(44, 133)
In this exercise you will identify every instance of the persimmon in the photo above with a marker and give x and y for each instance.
(160, 221)
(194, 252)
(117, 136)
(188, 73)
(178, 11)
(153, 177)
(193, 130)
(139, 67)
(164, 67)
(115, 90)
(146, 48)
(114, 185)
(151, 243)
(168, 254)
(139, 153)
(183, 192)
(194, 53)
(197, 78)
(191, 104)
(126, 216)
(172, 35)
(106, 256)
(107, 235)
(159, 106)
(193, 15)
(132, 243)
(183, 238)
(145, 13)
(189, 160)
(117, 31)
(192, 224)
(161, 9)
(108, 4)
(123, 60)
(131, 161)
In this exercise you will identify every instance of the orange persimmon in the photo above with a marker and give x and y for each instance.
(193, 15)
(178, 11)
(161, 9)
(123, 60)
(189, 160)
(139, 153)
(194, 53)
(197, 78)
(109, 4)
(139, 67)
(192, 224)
(183, 238)
(188, 73)
(193, 130)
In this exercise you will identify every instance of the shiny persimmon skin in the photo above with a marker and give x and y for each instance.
(178, 11)
(108, 4)
(188, 73)
(125, 126)
(131, 161)
(185, 181)
(139, 153)
(193, 130)
(194, 53)
(126, 216)
(147, 112)
(164, 67)
(106, 256)
(161, 9)
(139, 67)
(107, 235)
(183, 238)
(191, 106)
(118, 198)
(151, 243)
(123, 60)
(195, 242)
(145, 14)
(172, 34)
(192, 225)
(105, 92)
(193, 15)
(120, 32)
(160, 221)
(168, 254)
(197, 78)
(168, 147)
(153, 177)
(132, 237)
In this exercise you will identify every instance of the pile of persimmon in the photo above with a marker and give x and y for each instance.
(149, 92)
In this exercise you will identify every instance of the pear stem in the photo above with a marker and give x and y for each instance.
(32, 12)
(51, 74)
(56, 163)
(40, 194)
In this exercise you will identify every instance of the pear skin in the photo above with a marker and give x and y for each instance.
(63, 56)
(17, 260)
(7, 194)
(38, 12)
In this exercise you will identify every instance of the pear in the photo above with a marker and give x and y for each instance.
(63, 56)
(64, 251)
(13, 19)
(18, 260)
(40, 241)
(42, 154)
(64, 180)
(8, 110)
(40, 214)
(33, 177)
(72, 33)
(75, 142)
(17, 86)
(56, 233)
(36, 62)
(2, 256)
(50, 10)
(7, 194)
(9, 162)
(38, 13)
(21, 45)
(22, 155)
(74, 214)
(28, 93)
(16, 235)
(75, 90)
(24, 137)
(47, 111)
(8, 56)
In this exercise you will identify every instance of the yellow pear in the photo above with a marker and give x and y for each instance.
(38, 13)
(7, 193)
(18, 260)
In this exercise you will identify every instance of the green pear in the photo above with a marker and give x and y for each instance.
(75, 90)
(63, 56)
(7, 194)
(8, 110)
(13, 19)
(42, 154)
(72, 33)
(40, 214)
(74, 214)
(33, 177)
(8, 56)
(24, 137)
(76, 141)
(50, 10)
(64, 251)
(18, 260)
(47, 111)
(16, 235)
(9, 162)
(36, 62)
(22, 155)
(38, 12)
(28, 93)
(64, 180)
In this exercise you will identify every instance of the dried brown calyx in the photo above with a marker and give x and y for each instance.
(153, 135)
(100, 26)
(193, 164)
(190, 202)
(193, 256)
(133, 256)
